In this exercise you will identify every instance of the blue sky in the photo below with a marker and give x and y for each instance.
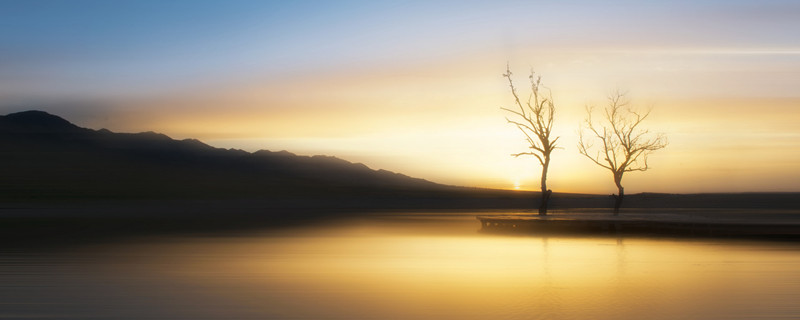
(144, 45)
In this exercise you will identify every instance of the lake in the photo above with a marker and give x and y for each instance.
(419, 266)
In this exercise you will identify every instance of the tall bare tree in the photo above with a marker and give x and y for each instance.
(624, 145)
(534, 118)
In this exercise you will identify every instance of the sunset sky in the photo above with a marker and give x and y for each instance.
(416, 86)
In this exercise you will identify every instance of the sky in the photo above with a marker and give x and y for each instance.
(416, 86)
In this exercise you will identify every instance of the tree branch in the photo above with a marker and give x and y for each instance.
(625, 146)
(536, 121)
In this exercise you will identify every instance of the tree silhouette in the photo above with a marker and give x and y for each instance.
(625, 146)
(535, 121)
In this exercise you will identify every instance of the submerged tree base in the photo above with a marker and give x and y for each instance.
(545, 200)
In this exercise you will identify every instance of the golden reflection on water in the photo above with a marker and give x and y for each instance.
(445, 270)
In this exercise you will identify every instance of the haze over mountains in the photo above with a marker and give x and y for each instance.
(47, 159)
(46, 156)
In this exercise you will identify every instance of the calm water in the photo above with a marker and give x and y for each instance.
(400, 268)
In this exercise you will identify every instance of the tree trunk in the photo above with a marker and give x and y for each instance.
(618, 199)
(545, 193)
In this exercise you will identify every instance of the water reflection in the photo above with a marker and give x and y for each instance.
(391, 268)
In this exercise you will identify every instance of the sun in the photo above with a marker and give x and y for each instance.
(516, 185)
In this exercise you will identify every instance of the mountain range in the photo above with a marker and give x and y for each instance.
(46, 159)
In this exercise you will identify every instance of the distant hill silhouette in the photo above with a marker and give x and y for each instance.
(45, 156)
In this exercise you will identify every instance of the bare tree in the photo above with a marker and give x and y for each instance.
(624, 145)
(534, 118)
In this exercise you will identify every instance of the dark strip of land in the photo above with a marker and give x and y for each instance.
(761, 224)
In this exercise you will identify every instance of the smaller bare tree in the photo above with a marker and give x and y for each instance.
(624, 145)
(535, 121)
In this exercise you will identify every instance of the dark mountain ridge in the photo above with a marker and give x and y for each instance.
(46, 156)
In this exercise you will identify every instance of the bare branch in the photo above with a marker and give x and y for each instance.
(535, 117)
(624, 146)
(535, 154)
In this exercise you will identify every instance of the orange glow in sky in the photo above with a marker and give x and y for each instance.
(417, 88)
